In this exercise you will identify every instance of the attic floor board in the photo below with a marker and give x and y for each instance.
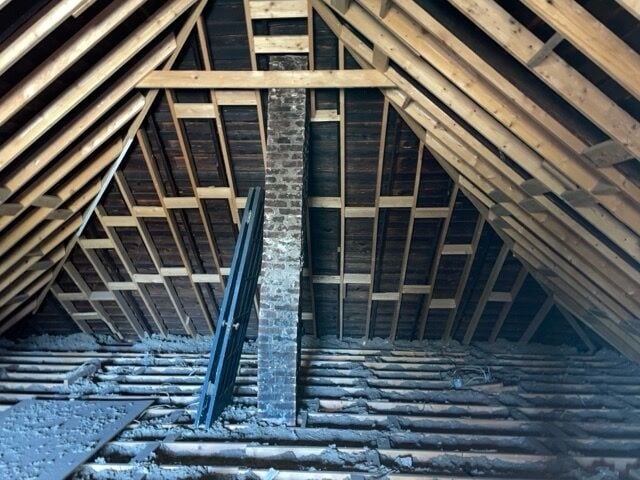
(363, 414)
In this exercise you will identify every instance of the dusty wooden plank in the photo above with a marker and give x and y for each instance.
(185, 79)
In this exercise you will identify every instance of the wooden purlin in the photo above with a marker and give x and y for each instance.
(521, 43)
(180, 39)
(486, 294)
(407, 244)
(428, 302)
(170, 216)
(484, 161)
(383, 138)
(564, 173)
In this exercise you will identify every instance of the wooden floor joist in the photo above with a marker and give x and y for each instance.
(390, 418)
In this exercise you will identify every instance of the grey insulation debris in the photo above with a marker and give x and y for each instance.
(87, 369)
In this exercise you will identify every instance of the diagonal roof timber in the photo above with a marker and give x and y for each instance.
(40, 239)
(150, 98)
(365, 55)
(100, 26)
(63, 193)
(510, 141)
(482, 202)
(442, 118)
(47, 21)
(593, 39)
(95, 77)
(521, 43)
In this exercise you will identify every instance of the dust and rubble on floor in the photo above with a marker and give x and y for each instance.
(366, 410)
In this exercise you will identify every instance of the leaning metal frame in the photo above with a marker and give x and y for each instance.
(231, 328)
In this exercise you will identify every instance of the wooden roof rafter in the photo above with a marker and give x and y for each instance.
(37, 194)
(521, 43)
(406, 101)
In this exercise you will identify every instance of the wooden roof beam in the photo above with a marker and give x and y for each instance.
(610, 333)
(497, 120)
(522, 44)
(17, 46)
(193, 180)
(252, 80)
(632, 6)
(593, 39)
(15, 255)
(75, 129)
(533, 235)
(361, 52)
(490, 73)
(573, 322)
(65, 56)
(19, 287)
(342, 138)
(76, 184)
(31, 290)
(426, 111)
(71, 309)
(181, 38)
(96, 76)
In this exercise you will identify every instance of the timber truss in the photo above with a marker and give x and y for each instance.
(547, 156)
